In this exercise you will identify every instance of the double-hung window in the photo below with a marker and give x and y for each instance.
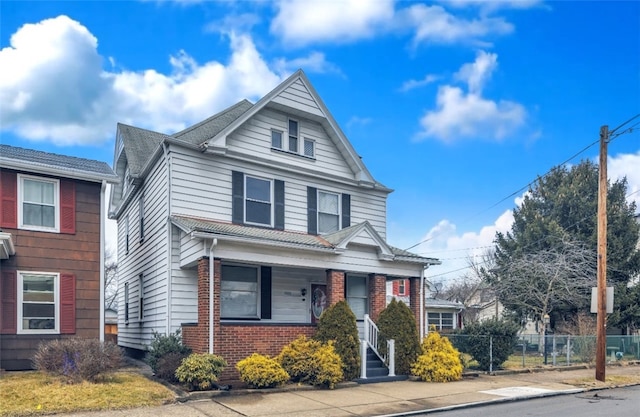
(293, 136)
(328, 212)
(276, 139)
(140, 297)
(357, 295)
(38, 203)
(258, 201)
(239, 292)
(402, 287)
(440, 320)
(38, 302)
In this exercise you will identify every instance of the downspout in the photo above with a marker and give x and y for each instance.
(103, 219)
(422, 302)
(214, 243)
(169, 240)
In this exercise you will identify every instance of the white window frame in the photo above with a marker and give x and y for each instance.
(56, 298)
(271, 200)
(258, 305)
(359, 297)
(281, 133)
(318, 212)
(313, 148)
(438, 324)
(402, 287)
(296, 136)
(56, 203)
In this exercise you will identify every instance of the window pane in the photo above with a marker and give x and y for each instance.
(239, 292)
(358, 306)
(434, 316)
(258, 212)
(327, 202)
(309, 146)
(38, 310)
(356, 286)
(328, 223)
(293, 128)
(39, 324)
(37, 215)
(258, 189)
(38, 191)
(276, 139)
(293, 144)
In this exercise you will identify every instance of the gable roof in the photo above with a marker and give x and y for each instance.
(55, 164)
(207, 129)
(139, 146)
(362, 174)
(365, 232)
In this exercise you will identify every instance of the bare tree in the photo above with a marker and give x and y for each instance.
(110, 281)
(539, 283)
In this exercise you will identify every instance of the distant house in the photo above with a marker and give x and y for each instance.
(51, 250)
(242, 229)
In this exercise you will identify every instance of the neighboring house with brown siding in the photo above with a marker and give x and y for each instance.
(52, 240)
(241, 229)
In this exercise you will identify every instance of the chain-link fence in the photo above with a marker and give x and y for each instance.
(487, 352)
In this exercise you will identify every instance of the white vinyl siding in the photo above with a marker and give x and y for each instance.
(298, 96)
(38, 203)
(38, 302)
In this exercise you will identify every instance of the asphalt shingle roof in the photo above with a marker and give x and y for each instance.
(205, 130)
(56, 161)
(139, 145)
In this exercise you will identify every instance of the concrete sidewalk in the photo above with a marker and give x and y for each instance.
(390, 398)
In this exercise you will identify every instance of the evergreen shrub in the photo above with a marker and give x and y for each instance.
(439, 360)
(338, 323)
(488, 341)
(200, 371)
(397, 322)
(162, 345)
(260, 371)
(312, 362)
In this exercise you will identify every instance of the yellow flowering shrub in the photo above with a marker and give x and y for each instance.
(260, 371)
(312, 362)
(439, 361)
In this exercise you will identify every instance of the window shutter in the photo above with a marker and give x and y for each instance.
(312, 210)
(396, 288)
(265, 292)
(237, 190)
(8, 302)
(67, 207)
(279, 206)
(346, 210)
(67, 304)
(9, 200)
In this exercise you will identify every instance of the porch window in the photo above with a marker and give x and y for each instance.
(38, 301)
(239, 295)
(440, 320)
(357, 295)
(402, 287)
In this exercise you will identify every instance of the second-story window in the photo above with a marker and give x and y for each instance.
(140, 297)
(258, 198)
(39, 205)
(126, 235)
(328, 212)
(293, 136)
(141, 217)
(276, 139)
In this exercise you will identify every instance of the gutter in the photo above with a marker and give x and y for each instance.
(66, 173)
(422, 303)
(210, 235)
(169, 240)
(214, 243)
(103, 190)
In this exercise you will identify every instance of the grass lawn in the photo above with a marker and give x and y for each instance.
(35, 393)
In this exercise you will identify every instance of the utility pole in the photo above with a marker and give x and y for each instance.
(601, 327)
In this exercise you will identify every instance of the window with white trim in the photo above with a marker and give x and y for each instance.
(293, 136)
(126, 303)
(402, 287)
(239, 292)
(126, 235)
(309, 148)
(38, 302)
(276, 139)
(141, 217)
(440, 320)
(358, 295)
(140, 297)
(258, 196)
(328, 212)
(38, 203)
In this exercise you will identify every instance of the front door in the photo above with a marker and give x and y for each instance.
(318, 301)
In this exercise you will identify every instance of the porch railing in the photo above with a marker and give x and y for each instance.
(370, 340)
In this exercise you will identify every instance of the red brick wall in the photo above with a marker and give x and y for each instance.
(414, 299)
(238, 341)
(377, 295)
(335, 286)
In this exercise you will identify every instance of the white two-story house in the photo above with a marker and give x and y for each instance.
(241, 229)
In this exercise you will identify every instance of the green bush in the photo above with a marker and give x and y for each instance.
(338, 323)
(162, 345)
(439, 360)
(200, 370)
(260, 371)
(312, 362)
(397, 322)
(295, 357)
(78, 359)
(490, 342)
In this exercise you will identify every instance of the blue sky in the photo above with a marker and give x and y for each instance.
(455, 105)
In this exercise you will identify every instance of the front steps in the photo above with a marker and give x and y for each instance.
(377, 371)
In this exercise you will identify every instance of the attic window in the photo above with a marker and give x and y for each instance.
(293, 136)
(309, 148)
(276, 139)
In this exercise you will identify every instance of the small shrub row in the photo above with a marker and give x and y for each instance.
(439, 361)
(200, 371)
(78, 359)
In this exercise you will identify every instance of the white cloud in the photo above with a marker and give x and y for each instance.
(412, 84)
(300, 22)
(314, 62)
(627, 165)
(53, 85)
(493, 4)
(469, 115)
